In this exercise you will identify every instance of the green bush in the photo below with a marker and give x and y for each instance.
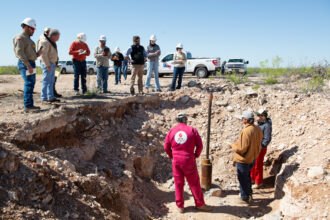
(256, 86)
(13, 70)
(236, 78)
(271, 80)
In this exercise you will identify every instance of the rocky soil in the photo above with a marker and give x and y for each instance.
(102, 157)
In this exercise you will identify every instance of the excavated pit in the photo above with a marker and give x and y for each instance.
(105, 160)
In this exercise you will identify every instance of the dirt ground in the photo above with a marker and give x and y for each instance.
(122, 136)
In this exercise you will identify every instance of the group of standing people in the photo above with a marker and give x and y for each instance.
(183, 145)
(27, 53)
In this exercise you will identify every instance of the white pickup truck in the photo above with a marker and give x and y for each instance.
(236, 65)
(201, 67)
(67, 67)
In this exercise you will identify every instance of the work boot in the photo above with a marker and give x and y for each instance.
(32, 109)
(57, 95)
(54, 100)
(204, 208)
(180, 210)
(132, 91)
(158, 90)
(247, 201)
(257, 186)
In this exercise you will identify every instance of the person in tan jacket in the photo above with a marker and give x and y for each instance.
(49, 58)
(246, 150)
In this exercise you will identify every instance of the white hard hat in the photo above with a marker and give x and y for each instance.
(103, 38)
(117, 49)
(153, 37)
(29, 22)
(247, 114)
(180, 45)
(82, 37)
(47, 29)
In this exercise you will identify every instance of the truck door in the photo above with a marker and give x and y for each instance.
(69, 67)
(166, 65)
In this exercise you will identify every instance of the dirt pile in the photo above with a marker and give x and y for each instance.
(106, 159)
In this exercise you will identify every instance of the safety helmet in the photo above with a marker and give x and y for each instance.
(82, 37)
(153, 37)
(47, 29)
(103, 38)
(180, 45)
(117, 49)
(247, 114)
(262, 112)
(29, 22)
(181, 117)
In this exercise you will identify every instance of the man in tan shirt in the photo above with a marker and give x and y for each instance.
(25, 51)
(246, 150)
(48, 60)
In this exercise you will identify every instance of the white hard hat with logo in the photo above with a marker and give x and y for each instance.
(82, 37)
(117, 49)
(180, 45)
(153, 37)
(29, 22)
(103, 38)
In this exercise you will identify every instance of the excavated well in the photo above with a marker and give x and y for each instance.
(102, 153)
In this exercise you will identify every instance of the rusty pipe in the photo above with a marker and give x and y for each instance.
(206, 179)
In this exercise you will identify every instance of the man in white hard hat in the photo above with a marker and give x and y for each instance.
(153, 51)
(137, 55)
(117, 59)
(43, 35)
(246, 150)
(102, 55)
(79, 50)
(179, 60)
(49, 59)
(25, 51)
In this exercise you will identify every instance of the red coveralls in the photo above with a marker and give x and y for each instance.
(180, 145)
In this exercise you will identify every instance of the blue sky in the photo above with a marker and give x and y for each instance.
(296, 30)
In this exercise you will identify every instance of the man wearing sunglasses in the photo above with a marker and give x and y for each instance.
(25, 51)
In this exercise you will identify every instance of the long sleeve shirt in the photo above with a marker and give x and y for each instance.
(25, 48)
(129, 51)
(101, 60)
(248, 145)
(266, 128)
(153, 55)
(183, 141)
(179, 59)
(74, 50)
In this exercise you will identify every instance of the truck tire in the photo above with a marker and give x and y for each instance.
(63, 71)
(201, 72)
(90, 71)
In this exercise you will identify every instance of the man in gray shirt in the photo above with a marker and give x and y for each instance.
(102, 54)
(153, 51)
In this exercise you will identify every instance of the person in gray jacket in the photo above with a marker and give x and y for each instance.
(153, 51)
(102, 55)
(265, 124)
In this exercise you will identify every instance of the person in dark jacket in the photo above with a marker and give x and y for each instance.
(117, 59)
(137, 57)
(265, 124)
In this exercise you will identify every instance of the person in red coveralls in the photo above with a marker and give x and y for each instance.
(183, 145)
(79, 50)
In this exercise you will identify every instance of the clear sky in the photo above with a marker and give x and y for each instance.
(296, 30)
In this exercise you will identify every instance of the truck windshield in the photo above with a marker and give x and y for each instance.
(235, 61)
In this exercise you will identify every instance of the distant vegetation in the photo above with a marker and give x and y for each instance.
(13, 70)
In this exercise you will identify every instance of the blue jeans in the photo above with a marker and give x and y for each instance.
(102, 77)
(48, 79)
(79, 68)
(124, 71)
(178, 72)
(29, 82)
(244, 178)
(117, 74)
(152, 67)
